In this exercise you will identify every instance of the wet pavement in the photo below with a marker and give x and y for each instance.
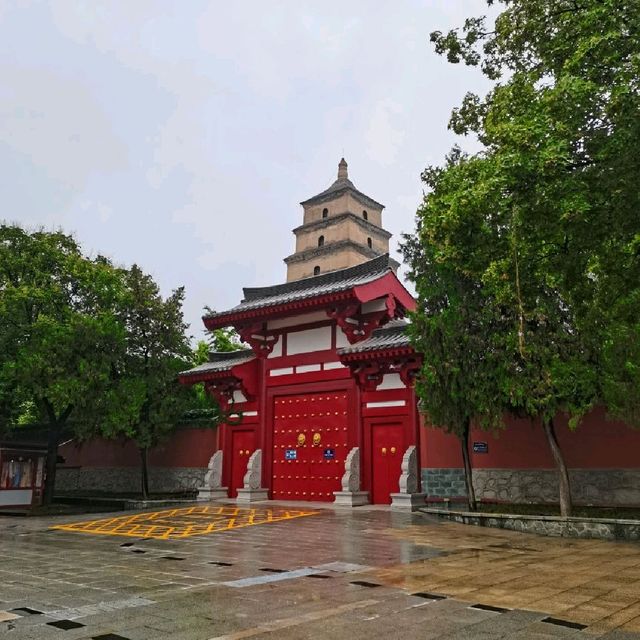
(306, 571)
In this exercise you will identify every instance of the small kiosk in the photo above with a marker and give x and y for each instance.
(21, 474)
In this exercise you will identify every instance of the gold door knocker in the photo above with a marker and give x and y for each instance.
(384, 451)
(316, 439)
(301, 439)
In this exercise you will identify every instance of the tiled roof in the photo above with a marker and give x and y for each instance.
(221, 361)
(393, 335)
(338, 188)
(332, 282)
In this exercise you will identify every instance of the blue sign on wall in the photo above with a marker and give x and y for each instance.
(329, 454)
(290, 454)
(480, 447)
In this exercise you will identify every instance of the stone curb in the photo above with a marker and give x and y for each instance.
(598, 528)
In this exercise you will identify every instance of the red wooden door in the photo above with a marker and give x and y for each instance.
(309, 445)
(387, 451)
(242, 446)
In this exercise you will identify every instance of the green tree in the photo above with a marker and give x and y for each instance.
(563, 120)
(545, 215)
(150, 399)
(454, 328)
(223, 340)
(59, 333)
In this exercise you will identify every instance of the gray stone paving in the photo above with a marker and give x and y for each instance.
(184, 589)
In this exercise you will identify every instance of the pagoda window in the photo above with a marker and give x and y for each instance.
(325, 213)
(316, 271)
(365, 215)
(369, 243)
(321, 241)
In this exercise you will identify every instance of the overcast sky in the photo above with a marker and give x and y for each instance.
(182, 135)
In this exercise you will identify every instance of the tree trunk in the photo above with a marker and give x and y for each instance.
(563, 473)
(468, 471)
(144, 472)
(53, 439)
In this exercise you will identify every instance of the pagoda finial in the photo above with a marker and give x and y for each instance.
(343, 174)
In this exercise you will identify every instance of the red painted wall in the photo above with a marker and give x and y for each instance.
(186, 448)
(596, 443)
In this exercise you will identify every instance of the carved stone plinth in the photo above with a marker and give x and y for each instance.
(351, 498)
(409, 471)
(222, 493)
(252, 491)
(407, 501)
(212, 489)
(408, 498)
(246, 496)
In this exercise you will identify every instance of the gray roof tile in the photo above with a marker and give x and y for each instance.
(221, 361)
(332, 282)
(393, 335)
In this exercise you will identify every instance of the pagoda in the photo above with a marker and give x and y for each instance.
(321, 405)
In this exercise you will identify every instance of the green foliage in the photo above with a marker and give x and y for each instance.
(546, 216)
(58, 331)
(541, 227)
(204, 409)
(59, 334)
(148, 397)
(454, 328)
(223, 340)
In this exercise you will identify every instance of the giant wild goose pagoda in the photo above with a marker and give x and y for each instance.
(322, 401)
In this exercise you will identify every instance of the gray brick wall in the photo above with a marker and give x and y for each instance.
(443, 483)
(598, 487)
(127, 479)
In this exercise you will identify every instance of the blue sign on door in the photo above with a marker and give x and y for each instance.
(290, 454)
(480, 447)
(329, 454)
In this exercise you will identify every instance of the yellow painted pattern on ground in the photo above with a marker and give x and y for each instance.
(183, 522)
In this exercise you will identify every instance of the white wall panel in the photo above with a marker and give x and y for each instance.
(277, 349)
(238, 396)
(307, 368)
(309, 340)
(391, 381)
(341, 339)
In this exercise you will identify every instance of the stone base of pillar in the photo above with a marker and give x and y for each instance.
(212, 494)
(351, 498)
(407, 501)
(245, 496)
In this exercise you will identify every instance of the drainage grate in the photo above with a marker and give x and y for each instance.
(364, 583)
(222, 564)
(488, 607)
(65, 625)
(274, 570)
(318, 575)
(171, 558)
(127, 544)
(109, 636)
(429, 596)
(138, 551)
(27, 610)
(565, 623)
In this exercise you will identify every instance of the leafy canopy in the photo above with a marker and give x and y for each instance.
(545, 217)
(59, 334)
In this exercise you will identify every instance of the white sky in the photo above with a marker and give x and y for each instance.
(182, 135)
